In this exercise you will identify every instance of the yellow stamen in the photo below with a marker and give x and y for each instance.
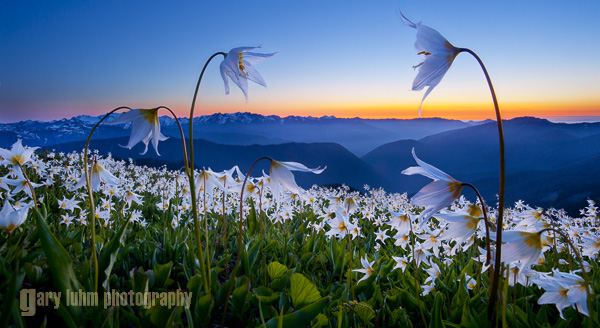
(17, 159)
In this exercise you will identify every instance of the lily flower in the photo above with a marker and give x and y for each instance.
(521, 246)
(340, 225)
(563, 290)
(17, 155)
(99, 173)
(367, 269)
(436, 195)
(238, 66)
(10, 219)
(439, 55)
(281, 176)
(461, 225)
(146, 127)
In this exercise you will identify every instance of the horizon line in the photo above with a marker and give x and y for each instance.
(552, 118)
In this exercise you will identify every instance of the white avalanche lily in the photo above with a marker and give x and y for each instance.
(439, 55)
(17, 155)
(436, 195)
(238, 66)
(99, 173)
(146, 127)
(521, 246)
(281, 176)
(10, 219)
(367, 269)
(461, 225)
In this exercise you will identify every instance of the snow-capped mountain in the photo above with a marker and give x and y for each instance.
(356, 134)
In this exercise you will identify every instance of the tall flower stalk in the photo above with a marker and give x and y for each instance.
(502, 189)
(439, 55)
(190, 173)
(87, 175)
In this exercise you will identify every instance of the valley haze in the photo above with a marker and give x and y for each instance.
(548, 164)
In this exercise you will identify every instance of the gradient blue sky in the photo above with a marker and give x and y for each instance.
(345, 58)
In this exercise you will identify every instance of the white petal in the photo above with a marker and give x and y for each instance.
(407, 21)
(254, 58)
(126, 117)
(433, 171)
(254, 76)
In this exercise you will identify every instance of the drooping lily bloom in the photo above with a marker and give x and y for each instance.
(563, 290)
(436, 195)
(522, 246)
(238, 66)
(281, 176)
(99, 173)
(10, 219)
(439, 55)
(146, 127)
(17, 155)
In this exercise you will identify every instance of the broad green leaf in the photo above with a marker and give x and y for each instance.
(109, 256)
(238, 297)
(266, 295)
(276, 270)
(59, 263)
(302, 317)
(303, 291)
(162, 273)
(204, 308)
(364, 312)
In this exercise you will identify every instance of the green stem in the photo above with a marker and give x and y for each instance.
(487, 226)
(91, 194)
(239, 251)
(494, 288)
(200, 252)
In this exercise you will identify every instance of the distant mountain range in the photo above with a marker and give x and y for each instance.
(548, 164)
(357, 135)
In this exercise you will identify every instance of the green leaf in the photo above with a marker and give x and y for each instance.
(252, 222)
(109, 255)
(467, 319)
(265, 295)
(364, 312)
(276, 270)
(303, 291)
(436, 312)
(162, 273)
(253, 253)
(59, 262)
(238, 297)
(9, 298)
(204, 308)
(302, 317)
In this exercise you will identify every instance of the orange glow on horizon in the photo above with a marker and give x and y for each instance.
(402, 111)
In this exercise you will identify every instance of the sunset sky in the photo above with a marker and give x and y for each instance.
(344, 58)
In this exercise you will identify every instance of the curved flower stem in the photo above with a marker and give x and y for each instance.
(494, 288)
(91, 198)
(239, 251)
(487, 227)
(185, 155)
(204, 272)
(35, 201)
